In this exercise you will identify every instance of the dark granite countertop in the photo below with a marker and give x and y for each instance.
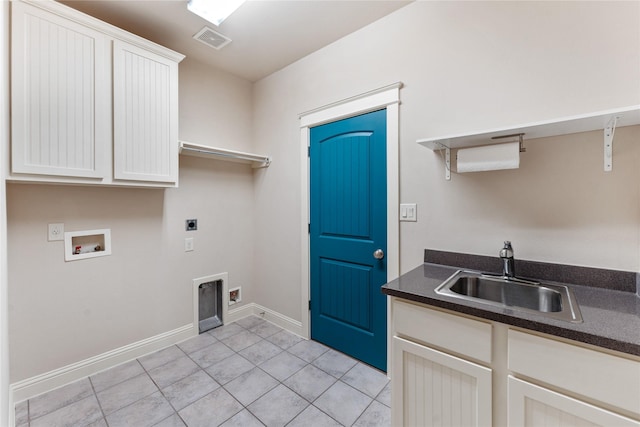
(611, 318)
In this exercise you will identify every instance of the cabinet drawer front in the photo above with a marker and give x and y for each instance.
(531, 406)
(604, 377)
(455, 333)
(431, 388)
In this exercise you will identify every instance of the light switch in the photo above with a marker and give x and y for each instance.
(408, 212)
(188, 244)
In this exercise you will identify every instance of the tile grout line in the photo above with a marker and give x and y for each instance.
(93, 389)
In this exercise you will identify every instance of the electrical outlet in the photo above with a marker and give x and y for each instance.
(56, 232)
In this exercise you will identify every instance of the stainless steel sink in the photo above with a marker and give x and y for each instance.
(555, 301)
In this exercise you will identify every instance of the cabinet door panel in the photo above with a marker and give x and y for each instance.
(532, 406)
(431, 388)
(60, 96)
(145, 115)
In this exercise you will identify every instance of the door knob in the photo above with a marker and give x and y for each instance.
(378, 254)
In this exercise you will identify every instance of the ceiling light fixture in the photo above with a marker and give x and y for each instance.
(214, 11)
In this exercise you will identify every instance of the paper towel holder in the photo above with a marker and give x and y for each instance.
(447, 150)
(513, 135)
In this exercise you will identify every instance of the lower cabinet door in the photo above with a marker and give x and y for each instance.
(432, 388)
(532, 406)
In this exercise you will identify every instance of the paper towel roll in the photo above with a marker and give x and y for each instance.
(488, 158)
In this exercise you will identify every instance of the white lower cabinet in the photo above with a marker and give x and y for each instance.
(531, 405)
(457, 370)
(432, 388)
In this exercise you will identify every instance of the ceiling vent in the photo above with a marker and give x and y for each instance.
(211, 38)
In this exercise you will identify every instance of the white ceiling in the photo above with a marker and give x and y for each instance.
(267, 34)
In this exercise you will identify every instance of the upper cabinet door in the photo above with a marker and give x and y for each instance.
(60, 96)
(145, 100)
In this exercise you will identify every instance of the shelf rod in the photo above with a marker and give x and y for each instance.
(223, 154)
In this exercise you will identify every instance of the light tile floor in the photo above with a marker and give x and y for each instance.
(247, 373)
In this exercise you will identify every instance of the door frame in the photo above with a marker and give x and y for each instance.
(385, 97)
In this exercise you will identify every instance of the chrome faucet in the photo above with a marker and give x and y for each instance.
(508, 264)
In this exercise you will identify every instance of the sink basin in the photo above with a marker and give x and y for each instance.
(555, 301)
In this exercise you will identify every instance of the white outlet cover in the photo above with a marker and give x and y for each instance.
(56, 232)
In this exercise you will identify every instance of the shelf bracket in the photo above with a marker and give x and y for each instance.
(608, 144)
(447, 163)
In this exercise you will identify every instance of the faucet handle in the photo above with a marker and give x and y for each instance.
(507, 250)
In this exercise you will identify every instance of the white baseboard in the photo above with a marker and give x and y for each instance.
(274, 317)
(31, 387)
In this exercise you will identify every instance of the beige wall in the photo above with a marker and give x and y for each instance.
(465, 66)
(71, 311)
(469, 67)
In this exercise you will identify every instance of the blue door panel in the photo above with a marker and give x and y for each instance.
(348, 223)
(345, 293)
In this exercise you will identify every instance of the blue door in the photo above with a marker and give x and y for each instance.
(348, 236)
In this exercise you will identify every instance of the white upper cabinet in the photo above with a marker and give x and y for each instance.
(60, 108)
(91, 103)
(145, 99)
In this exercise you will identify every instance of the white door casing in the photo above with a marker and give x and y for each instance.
(386, 97)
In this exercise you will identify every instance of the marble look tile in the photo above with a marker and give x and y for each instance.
(335, 363)
(251, 385)
(100, 423)
(225, 331)
(310, 382)
(242, 419)
(278, 407)
(173, 371)
(241, 340)
(250, 322)
(22, 412)
(189, 389)
(197, 343)
(313, 416)
(283, 366)
(105, 379)
(343, 403)
(376, 415)
(384, 396)
(266, 329)
(212, 410)
(125, 393)
(173, 421)
(260, 352)
(79, 413)
(284, 339)
(161, 357)
(230, 368)
(366, 379)
(56, 399)
(308, 350)
(211, 354)
(143, 413)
